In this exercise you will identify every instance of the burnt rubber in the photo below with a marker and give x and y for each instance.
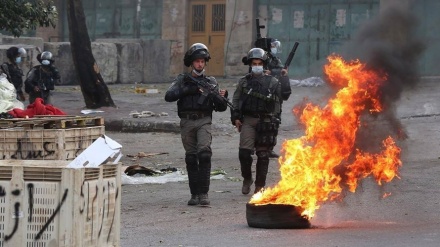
(275, 216)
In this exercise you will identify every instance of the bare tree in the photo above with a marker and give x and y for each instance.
(93, 87)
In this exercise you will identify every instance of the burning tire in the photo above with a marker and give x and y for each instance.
(275, 216)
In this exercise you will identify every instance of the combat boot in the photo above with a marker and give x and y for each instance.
(204, 199)
(246, 186)
(194, 200)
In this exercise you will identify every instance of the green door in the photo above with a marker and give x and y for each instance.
(320, 26)
(117, 19)
(429, 31)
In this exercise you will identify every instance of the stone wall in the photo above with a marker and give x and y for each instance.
(119, 61)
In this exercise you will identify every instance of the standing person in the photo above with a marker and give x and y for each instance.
(195, 109)
(256, 104)
(276, 68)
(41, 79)
(13, 72)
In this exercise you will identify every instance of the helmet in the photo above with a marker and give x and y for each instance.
(14, 52)
(274, 43)
(46, 58)
(256, 53)
(197, 50)
(46, 55)
(22, 52)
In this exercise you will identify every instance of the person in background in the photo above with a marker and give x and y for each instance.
(41, 79)
(12, 69)
(256, 104)
(276, 68)
(195, 109)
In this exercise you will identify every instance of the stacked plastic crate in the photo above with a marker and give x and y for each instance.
(44, 203)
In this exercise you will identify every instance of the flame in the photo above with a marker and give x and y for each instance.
(308, 165)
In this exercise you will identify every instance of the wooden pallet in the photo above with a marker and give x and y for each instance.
(52, 122)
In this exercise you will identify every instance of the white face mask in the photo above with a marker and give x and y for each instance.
(45, 62)
(257, 70)
(273, 50)
(198, 73)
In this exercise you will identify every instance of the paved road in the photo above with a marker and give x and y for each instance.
(157, 214)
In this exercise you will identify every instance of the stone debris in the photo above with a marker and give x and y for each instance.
(147, 114)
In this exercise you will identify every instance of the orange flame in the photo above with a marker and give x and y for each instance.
(307, 167)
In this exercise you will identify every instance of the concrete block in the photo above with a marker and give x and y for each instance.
(31, 41)
(130, 62)
(106, 56)
(157, 55)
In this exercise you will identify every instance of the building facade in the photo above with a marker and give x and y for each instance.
(167, 28)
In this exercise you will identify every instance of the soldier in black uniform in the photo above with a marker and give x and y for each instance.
(256, 103)
(195, 106)
(13, 72)
(276, 68)
(41, 79)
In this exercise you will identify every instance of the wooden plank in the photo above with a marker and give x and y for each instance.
(52, 122)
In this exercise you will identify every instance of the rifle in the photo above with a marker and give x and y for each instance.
(291, 54)
(207, 89)
(261, 42)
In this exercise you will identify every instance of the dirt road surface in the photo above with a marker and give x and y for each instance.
(157, 214)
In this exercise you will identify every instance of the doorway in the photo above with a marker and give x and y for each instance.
(207, 26)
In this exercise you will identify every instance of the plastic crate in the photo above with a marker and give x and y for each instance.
(46, 144)
(45, 204)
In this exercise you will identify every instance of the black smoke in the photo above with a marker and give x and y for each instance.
(388, 44)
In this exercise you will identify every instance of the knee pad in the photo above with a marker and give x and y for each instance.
(263, 154)
(191, 160)
(245, 155)
(204, 157)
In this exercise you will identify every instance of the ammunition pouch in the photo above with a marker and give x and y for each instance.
(267, 131)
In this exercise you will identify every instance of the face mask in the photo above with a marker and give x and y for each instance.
(45, 62)
(257, 70)
(198, 73)
(273, 50)
(18, 60)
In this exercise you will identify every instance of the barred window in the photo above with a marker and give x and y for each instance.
(218, 17)
(198, 12)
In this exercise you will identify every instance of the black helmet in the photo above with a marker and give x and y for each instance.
(256, 53)
(197, 50)
(14, 52)
(46, 58)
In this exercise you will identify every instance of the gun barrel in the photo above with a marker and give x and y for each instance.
(291, 54)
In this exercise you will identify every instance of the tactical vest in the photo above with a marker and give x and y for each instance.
(259, 95)
(194, 102)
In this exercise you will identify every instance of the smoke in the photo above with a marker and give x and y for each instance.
(389, 44)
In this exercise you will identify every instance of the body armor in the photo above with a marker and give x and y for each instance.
(259, 95)
(192, 102)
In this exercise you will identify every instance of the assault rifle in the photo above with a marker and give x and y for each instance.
(291, 54)
(261, 42)
(207, 89)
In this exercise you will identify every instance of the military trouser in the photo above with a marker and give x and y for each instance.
(256, 134)
(196, 139)
(46, 95)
